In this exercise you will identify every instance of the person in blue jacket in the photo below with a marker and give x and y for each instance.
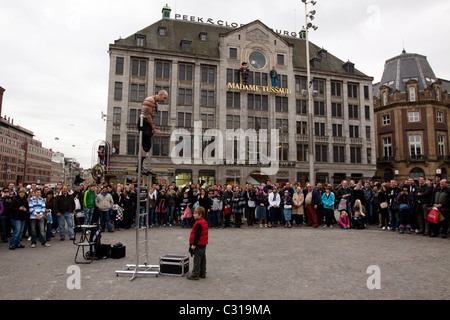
(328, 206)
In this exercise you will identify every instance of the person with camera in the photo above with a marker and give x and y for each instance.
(405, 199)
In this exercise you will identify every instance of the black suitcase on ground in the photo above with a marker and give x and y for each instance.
(103, 251)
(174, 265)
(118, 251)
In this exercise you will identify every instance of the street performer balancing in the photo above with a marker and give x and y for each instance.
(149, 110)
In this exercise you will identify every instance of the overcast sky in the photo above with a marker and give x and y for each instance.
(54, 63)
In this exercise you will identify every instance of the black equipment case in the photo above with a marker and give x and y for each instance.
(174, 265)
(103, 251)
(118, 251)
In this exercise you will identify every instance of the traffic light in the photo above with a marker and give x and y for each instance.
(78, 180)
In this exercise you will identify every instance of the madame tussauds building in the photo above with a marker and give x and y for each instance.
(223, 125)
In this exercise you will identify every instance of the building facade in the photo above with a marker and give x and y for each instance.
(22, 158)
(198, 65)
(412, 120)
(72, 169)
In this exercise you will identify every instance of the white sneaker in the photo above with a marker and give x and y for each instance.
(46, 245)
(33, 245)
(384, 228)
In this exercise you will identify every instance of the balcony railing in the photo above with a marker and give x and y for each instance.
(385, 159)
(417, 158)
(322, 139)
(356, 141)
(340, 140)
(301, 137)
(444, 158)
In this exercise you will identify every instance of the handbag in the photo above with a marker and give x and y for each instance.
(119, 215)
(227, 211)
(433, 215)
(187, 213)
(288, 206)
(342, 205)
(384, 205)
(404, 206)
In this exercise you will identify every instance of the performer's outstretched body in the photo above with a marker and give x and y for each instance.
(149, 110)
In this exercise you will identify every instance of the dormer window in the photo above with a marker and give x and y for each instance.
(349, 67)
(411, 90)
(162, 31)
(323, 53)
(186, 46)
(316, 63)
(412, 94)
(203, 36)
(140, 40)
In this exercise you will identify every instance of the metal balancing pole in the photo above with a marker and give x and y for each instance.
(143, 269)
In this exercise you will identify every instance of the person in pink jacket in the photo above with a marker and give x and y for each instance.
(344, 221)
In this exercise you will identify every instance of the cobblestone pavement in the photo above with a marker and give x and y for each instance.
(242, 264)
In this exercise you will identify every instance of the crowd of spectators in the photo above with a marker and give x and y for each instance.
(40, 214)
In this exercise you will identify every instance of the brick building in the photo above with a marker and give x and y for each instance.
(412, 114)
(22, 158)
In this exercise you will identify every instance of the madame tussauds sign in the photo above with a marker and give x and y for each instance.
(256, 88)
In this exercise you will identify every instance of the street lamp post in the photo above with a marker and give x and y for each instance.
(308, 25)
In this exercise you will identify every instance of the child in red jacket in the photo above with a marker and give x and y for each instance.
(197, 244)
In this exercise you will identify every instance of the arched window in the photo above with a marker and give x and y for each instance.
(416, 173)
(388, 175)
